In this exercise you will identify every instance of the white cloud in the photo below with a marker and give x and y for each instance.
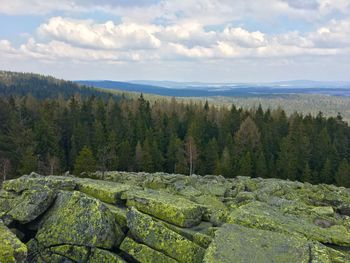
(86, 33)
(86, 40)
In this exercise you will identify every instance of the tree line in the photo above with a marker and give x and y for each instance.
(81, 134)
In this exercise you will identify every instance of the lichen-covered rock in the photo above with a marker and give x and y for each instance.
(142, 253)
(31, 204)
(240, 244)
(100, 255)
(262, 216)
(28, 182)
(173, 218)
(74, 253)
(157, 236)
(12, 250)
(170, 208)
(119, 214)
(78, 219)
(108, 192)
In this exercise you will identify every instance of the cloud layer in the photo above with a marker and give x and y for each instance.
(160, 31)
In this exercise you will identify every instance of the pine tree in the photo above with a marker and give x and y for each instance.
(29, 162)
(226, 165)
(307, 174)
(246, 168)
(342, 176)
(85, 162)
(326, 173)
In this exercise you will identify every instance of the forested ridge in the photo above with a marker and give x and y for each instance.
(43, 87)
(83, 133)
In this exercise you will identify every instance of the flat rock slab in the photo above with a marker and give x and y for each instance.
(109, 192)
(28, 182)
(12, 250)
(262, 216)
(77, 219)
(162, 205)
(234, 243)
(31, 204)
(156, 235)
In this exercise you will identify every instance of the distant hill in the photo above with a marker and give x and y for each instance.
(197, 89)
(41, 87)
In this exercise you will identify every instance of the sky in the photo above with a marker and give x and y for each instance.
(177, 40)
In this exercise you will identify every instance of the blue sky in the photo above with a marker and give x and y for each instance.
(183, 40)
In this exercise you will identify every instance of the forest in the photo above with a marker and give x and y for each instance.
(79, 129)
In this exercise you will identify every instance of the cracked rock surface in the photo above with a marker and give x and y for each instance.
(140, 217)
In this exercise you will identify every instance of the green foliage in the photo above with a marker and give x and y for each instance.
(343, 174)
(85, 161)
(86, 133)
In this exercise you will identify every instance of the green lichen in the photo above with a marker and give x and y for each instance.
(100, 255)
(108, 192)
(78, 219)
(157, 236)
(261, 216)
(142, 253)
(12, 250)
(234, 243)
(170, 208)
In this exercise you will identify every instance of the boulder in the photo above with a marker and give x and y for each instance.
(154, 234)
(108, 192)
(251, 245)
(170, 208)
(262, 216)
(77, 219)
(28, 182)
(31, 204)
(143, 253)
(12, 250)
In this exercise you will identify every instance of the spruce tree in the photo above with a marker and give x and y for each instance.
(342, 176)
(85, 162)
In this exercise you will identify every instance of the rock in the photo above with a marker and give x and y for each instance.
(27, 182)
(78, 219)
(119, 215)
(74, 253)
(100, 255)
(170, 208)
(142, 253)
(261, 216)
(323, 210)
(155, 235)
(173, 218)
(31, 204)
(251, 245)
(12, 250)
(108, 192)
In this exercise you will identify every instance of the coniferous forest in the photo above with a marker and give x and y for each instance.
(88, 131)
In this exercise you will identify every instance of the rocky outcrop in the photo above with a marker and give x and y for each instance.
(139, 217)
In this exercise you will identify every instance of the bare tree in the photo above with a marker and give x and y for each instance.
(105, 155)
(191, 152)
(54, 164)
(5, 166)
